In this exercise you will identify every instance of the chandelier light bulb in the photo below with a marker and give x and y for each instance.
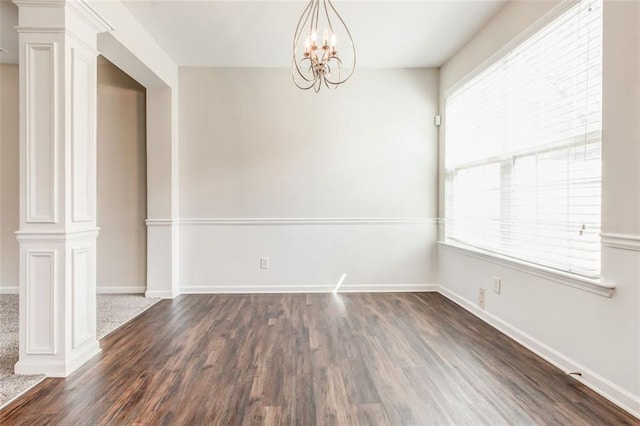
(316, 65)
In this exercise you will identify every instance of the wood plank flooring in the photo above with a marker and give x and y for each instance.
(294, 359)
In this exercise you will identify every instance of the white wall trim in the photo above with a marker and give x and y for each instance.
(40, 3)
(105, 289)
(35, 141)
(307, 288)
(621, 241)
(90, 16)
(44, 30)
(307, 221)
(161, 294)
(609, 390)
(581, 283)
(160, 222)
(40, 339)
(388, 288)
(9, 290)
(248, 289)
(56, 236)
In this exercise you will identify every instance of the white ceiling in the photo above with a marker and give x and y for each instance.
(250, 33)
(242, 33)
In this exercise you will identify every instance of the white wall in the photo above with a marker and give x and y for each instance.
(252, 146)
(122, 205)
(577, 330)
(9, 144)
(135, 52)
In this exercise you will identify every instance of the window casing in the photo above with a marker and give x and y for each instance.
(523, 149)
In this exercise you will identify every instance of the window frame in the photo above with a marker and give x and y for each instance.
(592, 285)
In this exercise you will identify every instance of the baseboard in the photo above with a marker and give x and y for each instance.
(609, 390)
(313, 288)
(9, 290)
(388, 288)
(121, 290)
(243, 289)
(161, 294)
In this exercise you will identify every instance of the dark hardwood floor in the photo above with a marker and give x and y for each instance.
(369, 359)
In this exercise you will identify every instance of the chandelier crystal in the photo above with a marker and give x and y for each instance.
(317, 62)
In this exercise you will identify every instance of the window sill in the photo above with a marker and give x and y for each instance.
(581, 283)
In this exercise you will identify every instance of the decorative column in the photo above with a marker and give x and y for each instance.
(57, 236)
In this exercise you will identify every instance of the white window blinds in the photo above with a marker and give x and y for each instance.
(522, 149)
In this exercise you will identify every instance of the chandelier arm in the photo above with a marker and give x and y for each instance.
(297, 37)
(330, 85)
(326, 12)
(353, 49)
(338, 81)
(316, 17)
(305, 87)
(310, 70)
(301, 74)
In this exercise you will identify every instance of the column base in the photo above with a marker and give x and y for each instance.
(52, 367)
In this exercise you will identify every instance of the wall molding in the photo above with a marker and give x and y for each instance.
(40, 275)
(278, 221)
(121, 289)
(56, 236)
(388, 288)
(35, 140)
(162, 294)
(307, 288)
(83, 150)
(160, 222)
(82, 298)
(307, 221)
(581, 283)
(42, 30)
(89, 16)
(9, 290)
(40, 3)
(604, 387)
(620, 241)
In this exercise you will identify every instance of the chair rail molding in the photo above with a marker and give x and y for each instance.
(238, 221)
(621, 241)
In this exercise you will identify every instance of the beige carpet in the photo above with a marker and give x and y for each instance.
(113, 311)
(11, 385)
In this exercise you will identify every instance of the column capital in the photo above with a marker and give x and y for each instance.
(39, 15)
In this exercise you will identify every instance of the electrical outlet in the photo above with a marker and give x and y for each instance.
(481, 298)
(497, 285)
(264, 263)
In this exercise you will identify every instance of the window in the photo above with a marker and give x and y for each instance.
(522, 149)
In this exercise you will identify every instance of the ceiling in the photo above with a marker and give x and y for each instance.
(250, 33)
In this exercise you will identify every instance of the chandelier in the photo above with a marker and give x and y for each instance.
(317, 62)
